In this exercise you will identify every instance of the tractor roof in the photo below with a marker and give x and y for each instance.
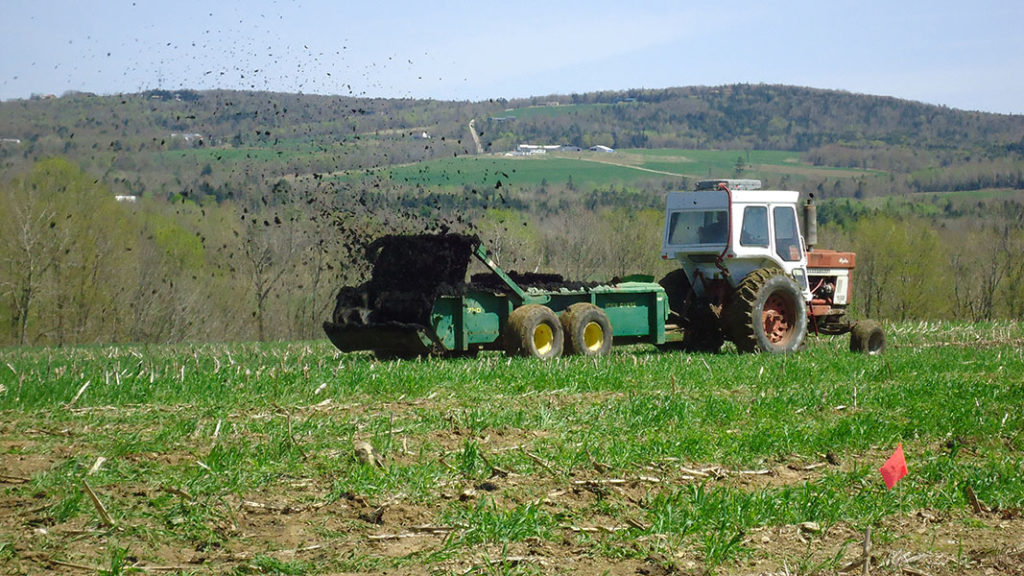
(732, 183)
(718, 199)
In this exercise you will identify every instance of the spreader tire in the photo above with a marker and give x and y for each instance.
(867, 337)
(586, 330)
(767, 314)
(533, 330)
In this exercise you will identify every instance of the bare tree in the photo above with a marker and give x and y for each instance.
(1012, 294)
(25, 250)
(63, 252)
(900, 269)
(269, 246)
(576, 243)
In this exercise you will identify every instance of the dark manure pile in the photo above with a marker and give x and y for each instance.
(409, 273)
(490, 282)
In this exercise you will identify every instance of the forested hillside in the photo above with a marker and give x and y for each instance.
(129, 139)
(238, 214)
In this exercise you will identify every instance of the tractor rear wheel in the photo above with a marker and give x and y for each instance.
(701, 330)
(867, 337)
(534, 330)
(767, 314)
(586, 330)
(679, 294)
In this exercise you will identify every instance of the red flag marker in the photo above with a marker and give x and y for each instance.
(894, 468)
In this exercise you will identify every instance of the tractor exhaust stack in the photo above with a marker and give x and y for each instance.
(810, 223)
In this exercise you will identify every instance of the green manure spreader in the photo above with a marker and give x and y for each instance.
(419, 302)
(746, 272)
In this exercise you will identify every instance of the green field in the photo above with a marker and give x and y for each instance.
(487, 171)
(592, 170)
(586, 170)
(286, 150)
(239, 459)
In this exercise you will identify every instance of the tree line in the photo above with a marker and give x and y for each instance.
(136, 143)
(77, 266)
(247, 231)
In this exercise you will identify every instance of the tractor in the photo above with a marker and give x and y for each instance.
(748, 275)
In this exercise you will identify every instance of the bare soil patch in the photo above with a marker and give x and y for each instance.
(602, 529)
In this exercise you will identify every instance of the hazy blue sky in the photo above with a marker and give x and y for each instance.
(966, 55)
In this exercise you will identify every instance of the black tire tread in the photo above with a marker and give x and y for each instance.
(867, 337)
(739, 316)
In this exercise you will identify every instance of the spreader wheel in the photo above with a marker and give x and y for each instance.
(587, 330)
(534, 330)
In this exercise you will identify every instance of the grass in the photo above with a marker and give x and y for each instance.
(485, 172)
(591, 170)
(658, 452)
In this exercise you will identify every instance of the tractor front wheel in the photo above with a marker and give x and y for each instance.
(534, 330)
(867, 337)
(767, 314)
(587, 330)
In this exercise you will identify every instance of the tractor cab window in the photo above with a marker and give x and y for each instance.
(754, 231)
(698, 227)
(787, 235)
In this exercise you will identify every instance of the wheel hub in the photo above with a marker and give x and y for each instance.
(777, 319)
(543, 339)
(593, 336)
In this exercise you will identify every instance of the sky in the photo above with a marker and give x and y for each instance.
(966, 55)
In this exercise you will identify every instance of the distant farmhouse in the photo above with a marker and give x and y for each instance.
(533, 149)
(191, 139)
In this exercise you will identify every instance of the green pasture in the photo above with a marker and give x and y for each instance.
(283, 150)
(530, 172)
(714, 163)
(230, 423)
(593, 170)
(585, 170)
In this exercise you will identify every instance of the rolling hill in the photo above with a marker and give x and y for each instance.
(223, 144)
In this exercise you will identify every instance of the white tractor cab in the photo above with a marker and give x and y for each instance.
(744, 272)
